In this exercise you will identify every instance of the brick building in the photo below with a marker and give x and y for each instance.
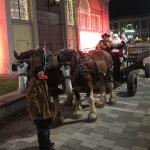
(60, 23)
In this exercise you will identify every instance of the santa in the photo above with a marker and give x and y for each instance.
(118, 47)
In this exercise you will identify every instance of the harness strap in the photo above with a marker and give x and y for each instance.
(22, 74)
(68, 77)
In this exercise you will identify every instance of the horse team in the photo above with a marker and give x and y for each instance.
(41, 72)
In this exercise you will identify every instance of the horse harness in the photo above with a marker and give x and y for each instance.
(79, 65)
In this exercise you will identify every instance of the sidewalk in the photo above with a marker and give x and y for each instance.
(124, 126)
(11, 103)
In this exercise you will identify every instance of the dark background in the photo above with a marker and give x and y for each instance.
(121, 8)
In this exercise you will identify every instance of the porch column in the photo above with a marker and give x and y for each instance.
(6, 38)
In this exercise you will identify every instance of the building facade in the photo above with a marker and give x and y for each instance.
(61, 24)
(18, 30)
(72, 23)
(141, 25)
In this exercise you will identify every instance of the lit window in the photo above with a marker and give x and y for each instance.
(19, 9)
(70, 12)
(84, 20)
(85, 16)
(88, 21)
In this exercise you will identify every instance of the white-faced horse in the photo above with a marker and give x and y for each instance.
(57, 74)
(86, 70)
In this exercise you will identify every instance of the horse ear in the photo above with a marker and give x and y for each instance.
(16, 55)
(14, 67)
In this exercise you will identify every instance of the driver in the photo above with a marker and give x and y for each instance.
(105, 43)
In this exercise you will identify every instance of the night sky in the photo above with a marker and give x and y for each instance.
(120, 8)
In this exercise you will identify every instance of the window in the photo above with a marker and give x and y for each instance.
(70, 12)
(88, 21)
(149, 25)
(136, 25)
(19, 9)
(84, 16)
(84, 20)
(95, 22)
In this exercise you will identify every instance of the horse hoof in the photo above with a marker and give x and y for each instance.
(69, 101)
(99, 104)
(58, 120)
(77, 115)
(111, 102)
(92, 117)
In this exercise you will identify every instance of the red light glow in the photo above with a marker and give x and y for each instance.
(93, 18)
(4, 50)
(88, 40)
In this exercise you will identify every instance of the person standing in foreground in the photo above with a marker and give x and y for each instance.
(39, 104)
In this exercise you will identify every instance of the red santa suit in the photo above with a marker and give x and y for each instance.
(117, 46)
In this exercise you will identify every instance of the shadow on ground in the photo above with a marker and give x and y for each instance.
(30, 148)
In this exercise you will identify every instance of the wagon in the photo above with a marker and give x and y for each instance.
(134, 62)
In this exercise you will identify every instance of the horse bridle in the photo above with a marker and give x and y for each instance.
(46, 62)
(21, 61)
(65, 64)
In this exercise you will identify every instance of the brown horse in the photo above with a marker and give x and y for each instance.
(86, 70)
(56, 72)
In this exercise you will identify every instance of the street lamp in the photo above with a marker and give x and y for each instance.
(129, 31)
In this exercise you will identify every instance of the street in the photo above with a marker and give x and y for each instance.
(124, 126)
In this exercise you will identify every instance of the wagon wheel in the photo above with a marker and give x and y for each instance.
(147, 70)
(131, 84)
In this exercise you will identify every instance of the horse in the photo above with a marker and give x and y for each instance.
(55, 71)
(86, 70)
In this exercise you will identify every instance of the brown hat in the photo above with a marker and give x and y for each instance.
(106, 34)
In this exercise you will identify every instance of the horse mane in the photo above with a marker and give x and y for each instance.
(66, 55)
(26, 54)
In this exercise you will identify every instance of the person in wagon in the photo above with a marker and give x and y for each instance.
(105, 43)
(125, 40)
(108, 45)
(40, 109)
(115, 48)
(118, 44)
